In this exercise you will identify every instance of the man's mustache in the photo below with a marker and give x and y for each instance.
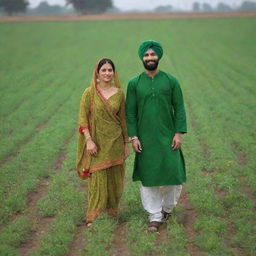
(147, 61)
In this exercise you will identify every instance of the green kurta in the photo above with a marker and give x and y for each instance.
(155, 112)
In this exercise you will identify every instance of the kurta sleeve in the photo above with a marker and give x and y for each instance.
(179, 109)
(84, 111)
(131, 109)
(121, 114)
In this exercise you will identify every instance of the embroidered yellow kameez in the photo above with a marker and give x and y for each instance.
(105, 119)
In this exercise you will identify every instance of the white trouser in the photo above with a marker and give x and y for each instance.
(156, 199)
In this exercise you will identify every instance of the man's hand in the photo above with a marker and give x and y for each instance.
(136, 145)
(176, 141)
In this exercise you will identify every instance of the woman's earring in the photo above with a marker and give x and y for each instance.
(97, 80)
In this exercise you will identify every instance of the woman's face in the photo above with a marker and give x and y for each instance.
(106, 73)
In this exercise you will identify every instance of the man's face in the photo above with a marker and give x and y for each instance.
(150, 60)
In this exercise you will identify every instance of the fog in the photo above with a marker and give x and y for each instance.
(126, 5)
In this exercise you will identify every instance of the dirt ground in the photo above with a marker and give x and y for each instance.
(118, 16)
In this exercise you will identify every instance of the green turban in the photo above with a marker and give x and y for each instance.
(150, 44)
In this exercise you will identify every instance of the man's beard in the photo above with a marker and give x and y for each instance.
(150, 67)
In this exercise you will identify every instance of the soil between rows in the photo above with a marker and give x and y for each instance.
(120, 16)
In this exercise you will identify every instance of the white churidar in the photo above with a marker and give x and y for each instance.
(156, 199)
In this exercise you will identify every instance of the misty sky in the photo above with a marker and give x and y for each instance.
(150, 4)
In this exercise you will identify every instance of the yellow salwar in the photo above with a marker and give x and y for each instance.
(105, 120)
(105, 188)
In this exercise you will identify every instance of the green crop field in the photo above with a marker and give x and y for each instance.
(44, 68)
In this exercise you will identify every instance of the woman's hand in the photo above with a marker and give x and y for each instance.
(176, 141)
(91, 148)
(126, 150)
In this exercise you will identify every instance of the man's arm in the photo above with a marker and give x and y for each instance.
(179, 116)
(131, 109)
(179, 109)
(131, 116)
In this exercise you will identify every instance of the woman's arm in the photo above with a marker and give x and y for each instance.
(84, 122)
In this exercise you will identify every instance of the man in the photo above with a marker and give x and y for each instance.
(156, 120)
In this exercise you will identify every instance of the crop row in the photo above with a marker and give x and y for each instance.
(212, 113)
(217, 78)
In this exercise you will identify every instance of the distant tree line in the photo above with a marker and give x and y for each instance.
(11, 7)
(206, 7)
(45, 9)
(90, 6)
(223, 7)
(164, 8)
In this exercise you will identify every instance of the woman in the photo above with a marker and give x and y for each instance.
(102, 145)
